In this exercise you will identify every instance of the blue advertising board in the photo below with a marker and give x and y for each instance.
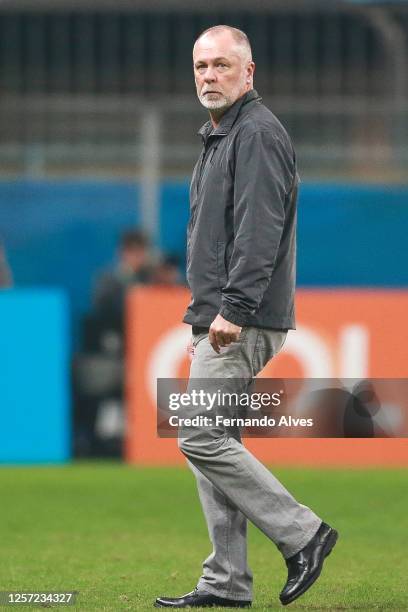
(35, 422)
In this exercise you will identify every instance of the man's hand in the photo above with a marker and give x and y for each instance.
(222, 333)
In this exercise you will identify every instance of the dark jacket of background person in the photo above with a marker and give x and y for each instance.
(111, 289)
(241, 239)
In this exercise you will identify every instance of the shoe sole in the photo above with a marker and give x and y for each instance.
(214, 605)
(330, 544)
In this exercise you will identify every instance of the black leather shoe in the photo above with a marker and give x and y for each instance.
(199, 600)
(305, 567)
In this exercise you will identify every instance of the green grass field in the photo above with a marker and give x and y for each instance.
(121, 536)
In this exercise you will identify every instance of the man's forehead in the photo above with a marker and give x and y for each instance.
(214, 58)
(215, 46)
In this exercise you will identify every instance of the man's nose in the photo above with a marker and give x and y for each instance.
(210, 75)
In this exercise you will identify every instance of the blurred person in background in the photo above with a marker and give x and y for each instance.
(133, 268)
(5, 272)
(241, 272)
(98, 383)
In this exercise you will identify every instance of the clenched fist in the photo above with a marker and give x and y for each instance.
(222, 333)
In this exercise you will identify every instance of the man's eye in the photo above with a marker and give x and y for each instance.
(221, 65)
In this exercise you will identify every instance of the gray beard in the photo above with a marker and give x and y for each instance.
(221, 104)
(224, 102)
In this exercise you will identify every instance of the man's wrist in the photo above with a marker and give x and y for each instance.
(233, 316)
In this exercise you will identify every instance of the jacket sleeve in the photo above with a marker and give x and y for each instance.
(264, 170)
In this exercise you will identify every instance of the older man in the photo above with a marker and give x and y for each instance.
(241, 271)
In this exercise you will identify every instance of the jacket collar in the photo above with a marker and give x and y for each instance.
(229, 117)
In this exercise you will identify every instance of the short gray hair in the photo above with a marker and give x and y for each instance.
(239, 37)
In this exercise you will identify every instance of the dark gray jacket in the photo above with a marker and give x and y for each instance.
(241, 238)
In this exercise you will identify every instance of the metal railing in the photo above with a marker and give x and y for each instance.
(113, 136)
(111, 94)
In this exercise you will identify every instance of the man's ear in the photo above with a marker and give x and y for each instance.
(250, 70)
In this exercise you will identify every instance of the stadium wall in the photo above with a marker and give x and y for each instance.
(59, 234)
(62, 233)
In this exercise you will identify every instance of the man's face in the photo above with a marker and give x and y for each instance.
(222, 74)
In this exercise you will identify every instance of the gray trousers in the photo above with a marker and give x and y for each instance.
(233, 485)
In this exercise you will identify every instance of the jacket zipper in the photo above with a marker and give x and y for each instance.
(204, 162)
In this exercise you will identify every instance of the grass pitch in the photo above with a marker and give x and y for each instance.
(122, 535)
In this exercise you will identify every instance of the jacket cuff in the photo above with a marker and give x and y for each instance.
(233, 316)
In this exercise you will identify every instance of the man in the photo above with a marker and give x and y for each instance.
(131, 269)
(241, 271)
